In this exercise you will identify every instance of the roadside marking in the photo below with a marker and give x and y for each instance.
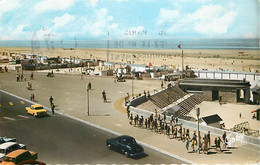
(23, 116)
(9, 118)
(22, 102)
(11, 103)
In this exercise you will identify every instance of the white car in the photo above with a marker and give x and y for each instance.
(8, 147)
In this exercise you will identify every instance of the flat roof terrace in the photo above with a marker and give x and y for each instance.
(222, 83)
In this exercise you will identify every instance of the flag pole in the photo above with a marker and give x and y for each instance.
(182, 59)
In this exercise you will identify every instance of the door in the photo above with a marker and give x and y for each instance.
(214, 95)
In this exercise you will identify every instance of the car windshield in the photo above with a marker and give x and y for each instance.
(37, 108)
(8, 159)
(130, 141)
(2, 151)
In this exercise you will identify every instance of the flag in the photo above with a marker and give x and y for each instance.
(179, 46)
(150, 64)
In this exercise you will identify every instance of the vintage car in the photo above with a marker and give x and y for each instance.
(7, 139)
(36, 110)
(19, 156)
(8, 147)
(125, 145)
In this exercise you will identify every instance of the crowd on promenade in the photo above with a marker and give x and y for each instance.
(174, 130)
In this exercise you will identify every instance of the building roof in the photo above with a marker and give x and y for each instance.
(212, 119)
(222, 83)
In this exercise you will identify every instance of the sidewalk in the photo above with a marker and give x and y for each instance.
(69, 93)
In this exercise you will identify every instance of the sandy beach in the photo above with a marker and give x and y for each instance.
(211, 59)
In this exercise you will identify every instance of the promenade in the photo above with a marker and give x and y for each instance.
(69, 93)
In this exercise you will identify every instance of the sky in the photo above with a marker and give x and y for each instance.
(128, 19)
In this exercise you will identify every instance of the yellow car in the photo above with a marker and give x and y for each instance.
(36, 110)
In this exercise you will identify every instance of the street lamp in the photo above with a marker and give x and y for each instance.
(198, 114)
(87, 87)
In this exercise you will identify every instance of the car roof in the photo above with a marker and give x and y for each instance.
(15, 153)
(126, 137)
(7, 144)
(36, 105)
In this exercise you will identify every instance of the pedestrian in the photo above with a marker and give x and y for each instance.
(128, 111)
(240, 115)
(141, 120)
(31, 77)
(208, 137)
(193, 145)
(51, 100)
(218, 143)
(89, 85)
(144, 93)
(145, 123)
(187, 142)
(162, 84)
(131, 119)
(176, 120)
(6, 69)
(205, 144)
(155, 113)
(164, 117)
(224, 137)
(148, 94)
(52, 108)
(31, 97)
(104, 96)
(17, 77)
(188, 133)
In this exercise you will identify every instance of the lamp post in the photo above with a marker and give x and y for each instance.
(87, 87)
(198, 114)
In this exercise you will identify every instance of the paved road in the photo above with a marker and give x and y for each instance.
(59, 139)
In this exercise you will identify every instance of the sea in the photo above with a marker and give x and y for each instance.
(243, 44)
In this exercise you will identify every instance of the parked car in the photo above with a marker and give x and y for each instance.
(7, 139)
(19, 156)
(36, 110)
(125, 145)
(8, 147)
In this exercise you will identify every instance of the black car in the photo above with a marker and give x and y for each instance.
(125, 145)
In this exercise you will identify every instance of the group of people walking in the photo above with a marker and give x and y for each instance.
(175, 130)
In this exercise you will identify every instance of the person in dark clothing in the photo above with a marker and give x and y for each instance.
(51, 100)
(89, 85)
(104, 96)
(208, 137)
(52, 108)
(131, 119)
